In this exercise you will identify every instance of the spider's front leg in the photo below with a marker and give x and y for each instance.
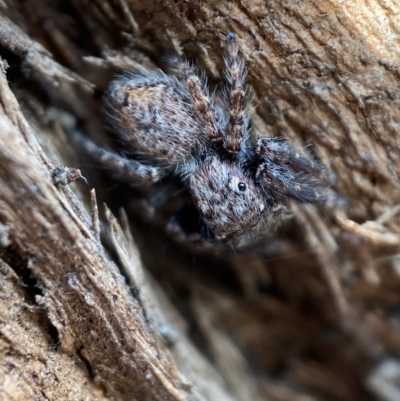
(235, 75)
(285, 173)
(280, 151)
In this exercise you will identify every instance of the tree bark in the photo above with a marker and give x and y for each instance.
(311, 313)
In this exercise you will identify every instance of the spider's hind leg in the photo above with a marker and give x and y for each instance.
(235, 75)
(129, 170)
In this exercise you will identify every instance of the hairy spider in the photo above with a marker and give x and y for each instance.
(173, 126)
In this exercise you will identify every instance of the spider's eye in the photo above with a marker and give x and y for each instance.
(242, 187)
(236, 185)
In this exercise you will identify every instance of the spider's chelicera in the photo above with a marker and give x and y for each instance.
(174, 126)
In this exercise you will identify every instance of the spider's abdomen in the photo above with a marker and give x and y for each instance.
(228, 199)
(158, 118)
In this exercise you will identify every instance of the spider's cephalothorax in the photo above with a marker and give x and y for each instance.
(172, 126)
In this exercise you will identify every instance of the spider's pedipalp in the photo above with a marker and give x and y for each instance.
(236, 76)
(129, 170)
(198, 89)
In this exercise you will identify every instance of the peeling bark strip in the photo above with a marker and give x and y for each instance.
(81, 292)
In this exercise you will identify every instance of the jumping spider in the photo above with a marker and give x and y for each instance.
(173, 126)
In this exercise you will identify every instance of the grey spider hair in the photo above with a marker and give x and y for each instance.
(173, 126)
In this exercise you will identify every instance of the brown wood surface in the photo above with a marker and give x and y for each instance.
(306, 315)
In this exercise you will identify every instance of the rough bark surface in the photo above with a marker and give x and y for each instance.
(311, 313)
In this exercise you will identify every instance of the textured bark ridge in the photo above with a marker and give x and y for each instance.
(311, 313)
